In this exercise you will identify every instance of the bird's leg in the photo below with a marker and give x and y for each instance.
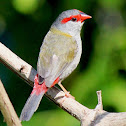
(67, 93)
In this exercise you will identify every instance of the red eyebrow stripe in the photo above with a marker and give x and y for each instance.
(81, 12)
(65, 20)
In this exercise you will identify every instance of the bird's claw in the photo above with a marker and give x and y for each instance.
(68, 95)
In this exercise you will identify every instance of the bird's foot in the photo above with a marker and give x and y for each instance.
(67, 93)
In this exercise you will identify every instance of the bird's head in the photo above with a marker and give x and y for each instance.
(71, 21)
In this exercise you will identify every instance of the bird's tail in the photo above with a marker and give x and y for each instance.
(31, 106)
(34, 100)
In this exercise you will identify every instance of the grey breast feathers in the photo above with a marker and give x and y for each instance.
(56, 53)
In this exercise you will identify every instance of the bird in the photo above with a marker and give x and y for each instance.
(59, 55)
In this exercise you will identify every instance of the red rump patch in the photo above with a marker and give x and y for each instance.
(38, 88)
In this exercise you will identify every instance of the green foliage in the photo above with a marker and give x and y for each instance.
(25, 6)
(23, 25)
(52, 117)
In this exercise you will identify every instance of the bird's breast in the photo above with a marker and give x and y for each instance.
(76, 59)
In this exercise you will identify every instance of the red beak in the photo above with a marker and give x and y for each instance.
(84, 17)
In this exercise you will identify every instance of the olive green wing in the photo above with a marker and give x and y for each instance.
(57, 52)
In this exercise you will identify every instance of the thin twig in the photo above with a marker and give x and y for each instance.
(99, 105)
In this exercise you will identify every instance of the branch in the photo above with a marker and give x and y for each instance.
(7, 109)
(87, 117)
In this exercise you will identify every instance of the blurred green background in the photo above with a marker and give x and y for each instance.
(23, 25)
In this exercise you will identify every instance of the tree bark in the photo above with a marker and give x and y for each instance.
(10, 116)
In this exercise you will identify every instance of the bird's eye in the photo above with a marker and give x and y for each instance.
(74, 19)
